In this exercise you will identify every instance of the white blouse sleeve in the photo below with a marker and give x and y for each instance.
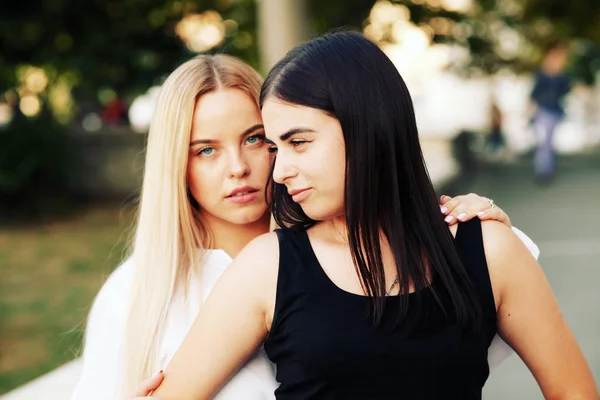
(499, 351)
(105, 329)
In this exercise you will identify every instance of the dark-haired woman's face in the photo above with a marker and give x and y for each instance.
(311, 156)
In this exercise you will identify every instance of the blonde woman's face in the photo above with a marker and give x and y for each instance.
(229, 163)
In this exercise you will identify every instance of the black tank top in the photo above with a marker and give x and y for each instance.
(325, 345)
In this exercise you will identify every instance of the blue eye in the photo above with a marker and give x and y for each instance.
(254, 139)
(207, 151)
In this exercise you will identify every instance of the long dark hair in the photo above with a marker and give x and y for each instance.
(387, 187)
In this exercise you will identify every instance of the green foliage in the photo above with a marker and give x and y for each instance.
(538, 22)
(129, 45)
(34, 165)
(125, 45)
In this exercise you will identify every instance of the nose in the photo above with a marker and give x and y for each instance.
(282, 171)
(239, 167)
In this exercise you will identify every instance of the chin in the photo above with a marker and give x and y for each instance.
(247, 216)
(317, 213)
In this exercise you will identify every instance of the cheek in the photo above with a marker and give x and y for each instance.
(330, 164)
(201, 182)
(260, 164)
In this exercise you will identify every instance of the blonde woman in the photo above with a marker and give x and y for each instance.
(203, 200)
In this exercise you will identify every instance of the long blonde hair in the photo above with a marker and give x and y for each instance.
(169, 231)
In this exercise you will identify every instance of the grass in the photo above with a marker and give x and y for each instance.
(50, 273)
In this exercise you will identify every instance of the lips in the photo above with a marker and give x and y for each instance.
(242, 191)
(299, 195)
(243, 196)
(296, 191)
(239, 194)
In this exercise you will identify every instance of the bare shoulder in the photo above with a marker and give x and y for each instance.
(257, 265)
(255, 271)
(261, 252)
(501, 243)
(507, 257)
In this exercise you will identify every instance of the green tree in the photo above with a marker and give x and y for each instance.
(124, 45)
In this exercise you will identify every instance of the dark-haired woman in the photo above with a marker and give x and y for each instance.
(366, 293)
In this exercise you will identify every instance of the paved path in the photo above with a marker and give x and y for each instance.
(564, 220)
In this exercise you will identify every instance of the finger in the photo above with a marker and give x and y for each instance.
(474, 209)
(451, 204)
(495, 213)
(150, 384)
(465, 210)
(469, 206)
(450, 220)
(444, 199)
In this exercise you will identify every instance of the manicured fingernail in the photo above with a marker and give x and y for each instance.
(480, 213)
(449, 218)
(444, 210)
(461, 216)
(442, 197)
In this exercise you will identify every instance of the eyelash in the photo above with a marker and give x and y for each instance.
(201, 151)
(259, 137)
(294, 142)
(297, 142)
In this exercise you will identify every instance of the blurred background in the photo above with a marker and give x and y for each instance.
(78, 84)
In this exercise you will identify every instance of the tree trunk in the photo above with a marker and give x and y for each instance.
(282, 24)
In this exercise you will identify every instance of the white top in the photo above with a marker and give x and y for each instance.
(106, 325)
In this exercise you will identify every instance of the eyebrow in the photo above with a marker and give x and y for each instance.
(294, 131)
(248, 131)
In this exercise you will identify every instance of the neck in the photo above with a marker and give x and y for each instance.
(233, 237)
(340, 230)
(391, 276)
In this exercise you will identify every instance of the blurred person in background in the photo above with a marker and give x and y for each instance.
(203, 200)
(551, 86)
(495, 140)
(363, 292)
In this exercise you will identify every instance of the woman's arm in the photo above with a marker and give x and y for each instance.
(529, 318)
(499, 351)
(230, 327)
(470, 206)
(103, 338)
